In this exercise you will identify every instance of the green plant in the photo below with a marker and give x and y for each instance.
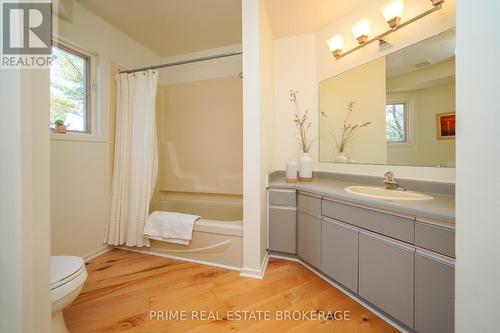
(348, 130)
(59, 122)
(302, 123)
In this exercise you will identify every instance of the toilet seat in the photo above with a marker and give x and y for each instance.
(67, 274)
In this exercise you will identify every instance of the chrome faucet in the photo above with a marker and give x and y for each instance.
(390, 182)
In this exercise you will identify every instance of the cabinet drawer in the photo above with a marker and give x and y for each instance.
(282, 197)
(282, 230)
(435, 238)
(390, 225)
(309, 203)
(386, 273)
(339, 252)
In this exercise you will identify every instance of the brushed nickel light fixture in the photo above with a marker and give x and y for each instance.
(393, 14)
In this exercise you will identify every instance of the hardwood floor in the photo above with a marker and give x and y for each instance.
(123, 287)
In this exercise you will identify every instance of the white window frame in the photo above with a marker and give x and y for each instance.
(408, 117)
(95, 120)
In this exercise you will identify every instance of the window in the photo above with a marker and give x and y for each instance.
(69, 89)
(396, 120)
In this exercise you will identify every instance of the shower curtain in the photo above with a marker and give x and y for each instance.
(136, 159)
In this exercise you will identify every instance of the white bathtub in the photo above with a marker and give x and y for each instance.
(217, 236)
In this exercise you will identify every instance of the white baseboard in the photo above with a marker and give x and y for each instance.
(194, 261)
(96, 253)
(345, 291)
(256, 273)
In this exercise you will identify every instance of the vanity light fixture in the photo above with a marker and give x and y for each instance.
(393, 13)
(336, 43)
(361, 30)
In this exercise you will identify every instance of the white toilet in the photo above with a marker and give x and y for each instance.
(67, 277)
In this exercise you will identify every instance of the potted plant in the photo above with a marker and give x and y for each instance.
(60, 126)
(347, 132)
(303, 126)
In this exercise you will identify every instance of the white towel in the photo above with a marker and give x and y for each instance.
(170, 227)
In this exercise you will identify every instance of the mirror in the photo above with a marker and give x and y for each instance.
(397, 110)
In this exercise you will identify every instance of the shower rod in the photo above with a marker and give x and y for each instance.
(183, 62)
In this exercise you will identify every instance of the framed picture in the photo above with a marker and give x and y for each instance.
(445, 126)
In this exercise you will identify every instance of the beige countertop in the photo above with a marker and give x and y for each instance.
(440, 210)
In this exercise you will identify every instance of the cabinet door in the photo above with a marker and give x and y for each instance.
(339, 252)
(434, 293)
(309, 238)
(282, 229)
(386, 275)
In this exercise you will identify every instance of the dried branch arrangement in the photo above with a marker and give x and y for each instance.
(348, 129)
(302, 122)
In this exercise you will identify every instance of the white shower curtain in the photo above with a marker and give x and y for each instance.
(136, 158)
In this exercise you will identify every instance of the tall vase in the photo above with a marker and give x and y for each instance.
(305, 168)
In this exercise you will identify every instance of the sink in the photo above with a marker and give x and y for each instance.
(382, 193)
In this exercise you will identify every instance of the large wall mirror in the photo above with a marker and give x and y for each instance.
(397, 110)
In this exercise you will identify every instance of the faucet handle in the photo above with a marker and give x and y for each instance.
(389, 177)
(390, 182)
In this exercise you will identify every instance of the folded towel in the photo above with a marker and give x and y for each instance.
(170, 227)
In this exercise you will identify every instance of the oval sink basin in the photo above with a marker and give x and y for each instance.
(382, 193)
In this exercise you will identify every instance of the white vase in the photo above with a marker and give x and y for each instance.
(291, 171)
(305, 168)
(341, 158)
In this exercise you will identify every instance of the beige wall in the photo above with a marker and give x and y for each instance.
(423, 147)
(200, 136)
(478, 179)
(294, 68)
(80, 169)
(24, 201)
(365, 86)
(266, 118)
(257, 132)
(305, 71)
(203, 70)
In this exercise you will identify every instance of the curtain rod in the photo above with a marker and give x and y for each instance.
(183, 62)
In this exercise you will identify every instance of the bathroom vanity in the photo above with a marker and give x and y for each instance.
(396, 255)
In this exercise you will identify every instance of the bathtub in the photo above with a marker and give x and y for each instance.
(217, 236)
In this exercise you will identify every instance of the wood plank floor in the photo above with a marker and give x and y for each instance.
(123, 287)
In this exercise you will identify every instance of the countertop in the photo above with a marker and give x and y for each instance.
(440, 210)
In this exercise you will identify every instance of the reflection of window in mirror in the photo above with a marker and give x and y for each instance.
(396, 116)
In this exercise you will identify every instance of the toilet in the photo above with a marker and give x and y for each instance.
(68, 274)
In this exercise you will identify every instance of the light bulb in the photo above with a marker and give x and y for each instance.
(361, 30)
(336, 43)
(393, 12)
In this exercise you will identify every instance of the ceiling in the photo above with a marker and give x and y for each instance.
(173, 27)
(431, 51)
(294, 17)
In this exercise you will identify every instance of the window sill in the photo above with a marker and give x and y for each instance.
(71, 136)
(405, 144)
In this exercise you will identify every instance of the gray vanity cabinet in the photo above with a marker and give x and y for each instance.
(339, 252)
(434, 293)
(309, 228)
(386, 275)
(402, 265)
(282, 221)
(435, 238)
(282, 229)
(309, 238)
